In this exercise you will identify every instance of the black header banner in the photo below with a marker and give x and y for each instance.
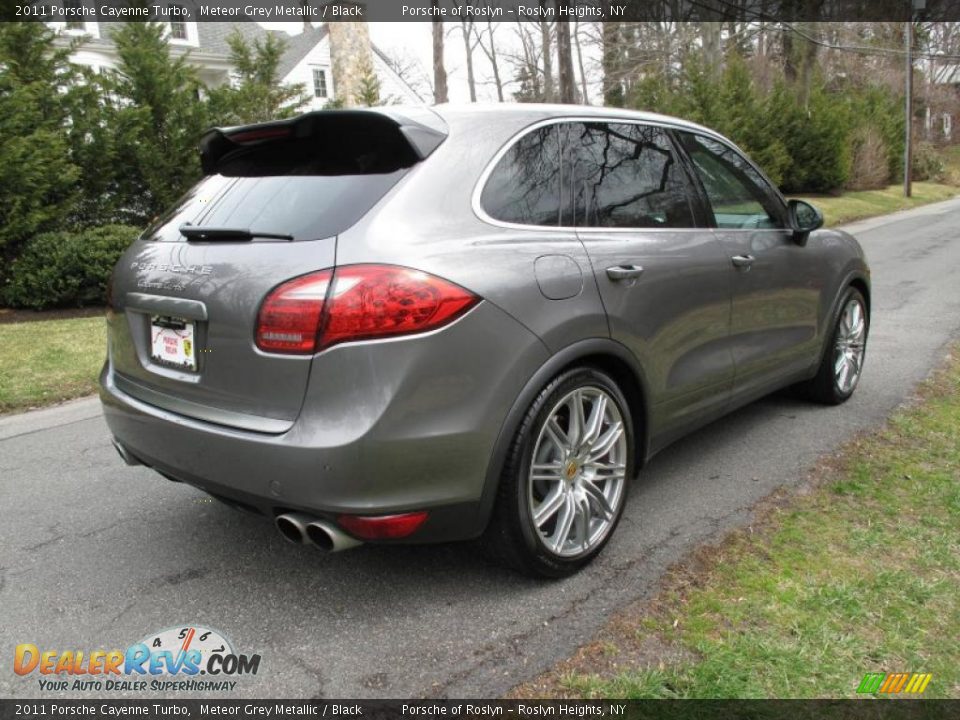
(497, 10)
(866, 709)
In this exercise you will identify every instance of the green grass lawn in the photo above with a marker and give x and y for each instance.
(867, 203)
(48, 361)
(861, 574)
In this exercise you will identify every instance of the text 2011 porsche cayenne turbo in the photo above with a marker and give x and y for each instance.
(423, 325)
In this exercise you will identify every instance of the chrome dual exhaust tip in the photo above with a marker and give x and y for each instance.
(125, 454)
(303, 529)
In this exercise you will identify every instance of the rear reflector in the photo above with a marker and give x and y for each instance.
(382, 527)
(356, 302)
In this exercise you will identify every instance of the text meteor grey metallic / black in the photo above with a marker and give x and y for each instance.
(425, 325)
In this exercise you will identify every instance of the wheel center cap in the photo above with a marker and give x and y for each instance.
(571, 469)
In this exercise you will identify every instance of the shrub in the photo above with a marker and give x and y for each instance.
(818, 145)
(60, 269)
(870, 161)
(927, 163)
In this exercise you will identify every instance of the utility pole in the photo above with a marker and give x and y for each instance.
(907, 149)
(915, 7)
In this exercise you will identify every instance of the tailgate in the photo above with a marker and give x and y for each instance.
(186, 296)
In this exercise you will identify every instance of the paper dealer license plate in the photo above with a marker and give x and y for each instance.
(172, 342)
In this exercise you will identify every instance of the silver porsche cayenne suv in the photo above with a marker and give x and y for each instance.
(426, 325)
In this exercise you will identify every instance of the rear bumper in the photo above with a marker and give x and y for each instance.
(385, 428)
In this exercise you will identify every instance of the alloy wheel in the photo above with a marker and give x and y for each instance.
(850, 343)
(578, 471)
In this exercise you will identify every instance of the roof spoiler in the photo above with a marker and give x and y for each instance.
(422, 129)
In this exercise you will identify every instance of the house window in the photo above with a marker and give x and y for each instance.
(74, 8)
(319, 83)
(178, 28)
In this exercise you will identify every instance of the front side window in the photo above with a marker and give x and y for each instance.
(524, 186)
(627, 175)
(735, 189)
(319, 83)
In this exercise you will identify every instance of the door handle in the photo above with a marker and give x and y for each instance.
(624, 272)
(743, 262)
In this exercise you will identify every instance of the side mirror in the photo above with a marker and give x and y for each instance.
(804, 219)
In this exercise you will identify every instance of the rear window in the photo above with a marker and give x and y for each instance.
(307, 187)
(524, 187)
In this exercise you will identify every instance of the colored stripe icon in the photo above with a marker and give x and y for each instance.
(911, 683)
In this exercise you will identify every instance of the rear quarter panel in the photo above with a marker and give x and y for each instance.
(427, 222)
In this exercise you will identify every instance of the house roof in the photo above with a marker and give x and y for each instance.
(298, 46)
(214, 40)
(214, 35)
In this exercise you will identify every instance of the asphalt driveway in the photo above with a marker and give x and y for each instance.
(96, 555)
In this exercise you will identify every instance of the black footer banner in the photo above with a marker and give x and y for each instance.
(494, 10)
(866, 709)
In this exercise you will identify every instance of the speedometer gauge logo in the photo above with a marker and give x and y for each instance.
(204, 643)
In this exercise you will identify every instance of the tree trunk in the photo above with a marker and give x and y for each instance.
(712, 52)
(799, 59)
(612, 82)
(568, 88)
(494, 62)
(466, 28)
(439, 71)
(547, 57)
(583, 76)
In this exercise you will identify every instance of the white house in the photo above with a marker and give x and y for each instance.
(306, 59)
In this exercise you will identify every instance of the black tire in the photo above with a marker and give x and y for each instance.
(512, 538)
(824, 388)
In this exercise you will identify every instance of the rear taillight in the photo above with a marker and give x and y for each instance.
(290, 315)
(362, 302)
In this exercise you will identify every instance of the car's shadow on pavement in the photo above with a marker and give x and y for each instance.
(462, 565)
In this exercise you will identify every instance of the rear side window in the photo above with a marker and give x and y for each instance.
(308, 187)
(738, 194)
(626, 175)
(524, 187)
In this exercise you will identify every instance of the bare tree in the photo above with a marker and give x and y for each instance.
(466, 30)
(526, 65)
(439, 71)
(491, 53)
(409, 69)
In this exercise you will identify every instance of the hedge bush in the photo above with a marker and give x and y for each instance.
(62, 269)
(928, 163)
(870, 163)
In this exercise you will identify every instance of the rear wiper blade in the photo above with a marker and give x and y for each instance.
(204, 232)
